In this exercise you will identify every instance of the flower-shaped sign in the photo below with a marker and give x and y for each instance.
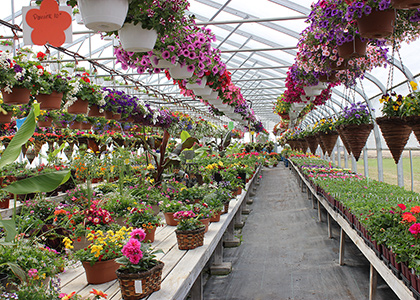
(48, 24)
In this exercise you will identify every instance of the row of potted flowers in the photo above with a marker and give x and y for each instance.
(384, 215)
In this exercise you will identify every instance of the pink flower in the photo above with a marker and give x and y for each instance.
(402, 206)
(32, 272)
(139, 233)
(132, 250)
(415, 228)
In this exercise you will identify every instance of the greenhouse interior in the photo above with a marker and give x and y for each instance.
(209, 149)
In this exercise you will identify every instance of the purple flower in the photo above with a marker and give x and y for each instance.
(165, 54)
(191, 68)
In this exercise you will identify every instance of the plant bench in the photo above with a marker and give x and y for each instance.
(182, 273)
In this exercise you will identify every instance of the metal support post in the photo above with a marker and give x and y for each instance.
(342, 241)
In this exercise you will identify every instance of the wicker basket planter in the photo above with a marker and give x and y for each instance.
(140, 285)
(355, 137)
(190, 239)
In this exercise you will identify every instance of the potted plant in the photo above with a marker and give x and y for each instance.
(6, 45)
(68, 68)
(215, 204)
(393, 126)
(143, 217)
(108, 15)
(141, 28)
(17, 78)
(119, 204)
(98, 258)
(51, 89)
(169, 208)
(82, 94)
(6, 112)
(189, 231)
(139, 263)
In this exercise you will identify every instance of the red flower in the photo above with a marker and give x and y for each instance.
(402, 206)
(40, 55)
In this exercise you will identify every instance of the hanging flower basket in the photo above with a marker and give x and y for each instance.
(396, 133)
(78, 107)
(302, 144)
(179, 72)
(17, 96)
(194, 86)
(343, 66)
(356, 137)
(161, 63)
(6, 118)
(104, 15)
(205, 91)
(378, 24)
(85, 125)
(328, 78)
(109, 115)
(405, 4)
(414, 123)
(190, 239)
(46, 123)
(136, 39)
(312, 143)
(355, 48)
(321, 143)
(94, 111)
(150, 282)
(50, 101)
(101, 271)
(328, 139)
(75, 125)
(343, 139)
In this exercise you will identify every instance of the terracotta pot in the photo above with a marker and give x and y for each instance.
(6, 118)
(4, 203)
(17, 96)
(190, 239)
(169, 218)
(225, 208)
(109, 115)
(50, 101)
(155, 209)
(355, 48)
(343, 66)
(216, 217)
(405, 4)
(396, 133)
(150, 235)
(60, 125)
(78, 107)
(94, 111)
(101, 271)
(378, 24)
(46, 123)
(85, 125)
(75, 125)
(150, 282)
(206, 222)
(356, 137)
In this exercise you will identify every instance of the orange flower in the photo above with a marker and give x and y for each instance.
(98, 293)
(415, 209)
(409, 218)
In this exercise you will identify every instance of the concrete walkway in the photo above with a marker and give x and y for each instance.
(286, 253)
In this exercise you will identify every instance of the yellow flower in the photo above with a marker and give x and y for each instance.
(395, 107)
(150, 167)
(67, 243)
(413, 85)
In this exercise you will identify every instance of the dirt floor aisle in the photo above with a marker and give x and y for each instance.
(286, 252)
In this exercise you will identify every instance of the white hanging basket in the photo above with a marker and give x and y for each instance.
(226, 109)
(206, 91)
(315, 90)
(6, 48)
(305, 100)
(136, 39)
(215, 102)
(214, 95)
(162, 63)
(193, 86)
(78, 18)
(54, 67)
(178, 72)
(103, 15)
